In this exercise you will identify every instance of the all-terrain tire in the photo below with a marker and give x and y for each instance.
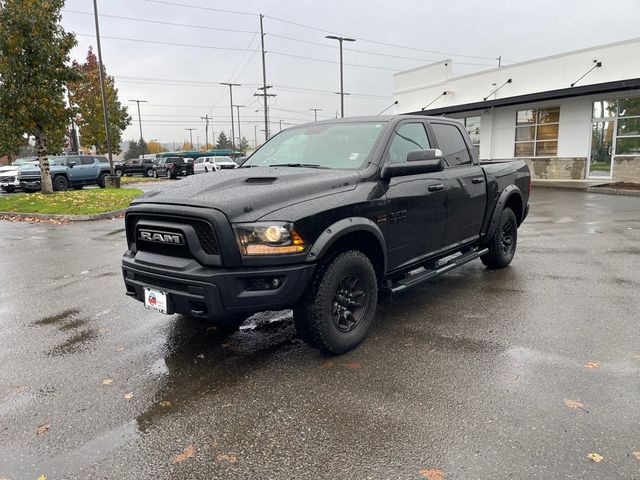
(502, 246)
(102, 180)
(338, 308)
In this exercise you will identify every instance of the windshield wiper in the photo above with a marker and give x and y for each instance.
(304, 165)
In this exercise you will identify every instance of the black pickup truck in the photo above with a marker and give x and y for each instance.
(321, 219)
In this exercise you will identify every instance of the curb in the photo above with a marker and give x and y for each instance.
(613, 191)
(69, 218)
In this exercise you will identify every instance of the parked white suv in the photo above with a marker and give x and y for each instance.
(213, 164)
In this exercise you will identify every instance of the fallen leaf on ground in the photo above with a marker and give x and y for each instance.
(42, 477)
(227, 457)
(574, 404)
(594, 457)
(432, 473)
(104, 330)
(592, 365)
(120, 349)
(353, 365)
(165, 403)
(201, 356)
(42, 428)
(128, 396)
(188, 453)
(327, 364)
(107, 381)
(636, 454)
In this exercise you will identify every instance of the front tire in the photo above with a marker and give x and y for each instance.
(9, 189)
(60, 183)
(102, 180)
(502, 246)
(338, 308)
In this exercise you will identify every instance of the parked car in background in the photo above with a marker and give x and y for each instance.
(172, 167)
(9, 173)
(135, 166)
(213, 164)
(72, 171)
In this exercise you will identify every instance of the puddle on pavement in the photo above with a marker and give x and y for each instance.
(73, 324)
(74, 344)
(58, 318)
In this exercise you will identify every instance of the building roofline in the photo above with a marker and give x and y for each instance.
(526, 62)
(607, 87)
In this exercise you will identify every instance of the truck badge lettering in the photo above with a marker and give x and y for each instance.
(161, 237)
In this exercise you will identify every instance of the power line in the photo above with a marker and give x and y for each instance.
(201, 8)
(155, 42)
(332, 61)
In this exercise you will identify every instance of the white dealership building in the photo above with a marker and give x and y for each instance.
(571, 116)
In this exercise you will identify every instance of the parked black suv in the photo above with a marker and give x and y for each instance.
(135, 166)
(172, 167)
(322, 218)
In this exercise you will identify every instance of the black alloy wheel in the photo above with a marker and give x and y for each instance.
(348, 303)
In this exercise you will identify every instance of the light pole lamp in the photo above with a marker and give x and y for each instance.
(340, 40)
(315, 113)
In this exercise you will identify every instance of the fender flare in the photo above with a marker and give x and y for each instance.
(343, 227)
(506, 194)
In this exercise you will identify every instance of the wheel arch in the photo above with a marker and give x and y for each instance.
(511, 197)
(353, 233)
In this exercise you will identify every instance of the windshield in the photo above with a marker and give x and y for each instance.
(331, 145)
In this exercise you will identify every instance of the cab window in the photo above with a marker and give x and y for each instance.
(451, 142)
(408, 137)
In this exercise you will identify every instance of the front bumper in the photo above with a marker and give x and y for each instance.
(9, 185)
(215, 293)
(30, 183)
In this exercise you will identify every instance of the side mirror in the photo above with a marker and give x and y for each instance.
(419, 161)
(72, 164)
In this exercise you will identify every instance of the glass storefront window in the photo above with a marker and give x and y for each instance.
(537, 132)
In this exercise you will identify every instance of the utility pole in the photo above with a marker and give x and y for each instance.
(280, 125)
(139, 118)
(233, 140)
(238, 107)
(255, 137)
(206, 118)
(315, 113)
(105, 112)
(191, 136)
(499, 61)
(265, 95)
(264, 82)
(340, 40)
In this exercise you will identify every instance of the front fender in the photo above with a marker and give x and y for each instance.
(344, 227)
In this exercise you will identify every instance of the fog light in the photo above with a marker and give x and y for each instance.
(275, 282)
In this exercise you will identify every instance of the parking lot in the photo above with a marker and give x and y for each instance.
(516, 373)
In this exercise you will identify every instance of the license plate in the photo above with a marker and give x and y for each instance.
(155, 300)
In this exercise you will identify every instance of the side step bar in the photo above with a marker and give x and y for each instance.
(423, 274)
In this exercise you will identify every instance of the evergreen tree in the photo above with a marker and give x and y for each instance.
(223, 143)
(136, 148)
(244, 144)
(34, 69)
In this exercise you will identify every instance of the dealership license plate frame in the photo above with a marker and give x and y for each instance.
(161, 298)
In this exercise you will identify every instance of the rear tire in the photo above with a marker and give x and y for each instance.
(339, 306)
(118, 172)
(60, 183)
(502, 246)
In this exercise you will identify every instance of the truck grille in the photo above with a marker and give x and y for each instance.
(162, 284)
(204, 230)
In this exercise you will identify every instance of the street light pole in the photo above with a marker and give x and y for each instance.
(340, 40)
(206, 130)
(315, 113)
(140, 122)
(191, 136)
(105, 111)
(238, 107)
(255, 137)
(233, 140)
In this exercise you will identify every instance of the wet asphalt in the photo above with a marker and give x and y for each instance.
(479, 374)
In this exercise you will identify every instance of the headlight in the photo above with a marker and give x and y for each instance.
(269, 238)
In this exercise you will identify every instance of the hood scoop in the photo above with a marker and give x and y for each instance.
(261, 180)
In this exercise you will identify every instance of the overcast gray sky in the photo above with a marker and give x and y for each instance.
(180, 82)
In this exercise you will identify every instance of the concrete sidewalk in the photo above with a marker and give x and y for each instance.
(572, 184)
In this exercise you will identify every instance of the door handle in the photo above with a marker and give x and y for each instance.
(477, 180)
(436, 188)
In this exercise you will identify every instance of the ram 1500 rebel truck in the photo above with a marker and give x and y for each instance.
(322, 218)
(67, 171)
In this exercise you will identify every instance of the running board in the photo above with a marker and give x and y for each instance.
(423, 274)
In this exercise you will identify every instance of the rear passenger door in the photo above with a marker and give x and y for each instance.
(465, 185)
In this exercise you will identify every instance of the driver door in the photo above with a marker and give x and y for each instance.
(416, 203)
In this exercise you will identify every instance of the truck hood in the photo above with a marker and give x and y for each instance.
(34, 171)
(247, 194)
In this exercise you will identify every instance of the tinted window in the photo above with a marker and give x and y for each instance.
(86, 160)
(452, 144)
(409, 137)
